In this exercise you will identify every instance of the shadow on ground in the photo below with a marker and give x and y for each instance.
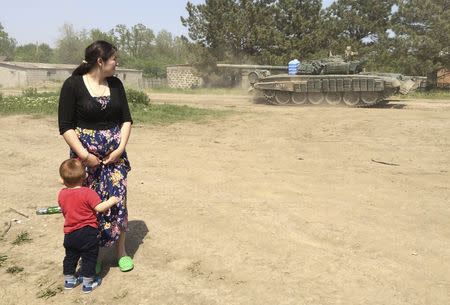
(137, 231)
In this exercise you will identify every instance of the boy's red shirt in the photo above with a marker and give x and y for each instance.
(77, 206)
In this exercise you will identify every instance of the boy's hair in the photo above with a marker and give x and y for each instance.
(72, 172)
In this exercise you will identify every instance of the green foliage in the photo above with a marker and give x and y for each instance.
(34, 53)
(3, 259)
(137, 97)
(298, 30)
(29, 104)
(49, 292)
(435, 94)
(14, 269)
(201, 91)
(29, 92)
(7, 44)
(71, 45)
(230, 30)
(33, 92)
(22, 238)
(169, 114)
(423, 34)
(408, 40)
(358, 23)
(140, 108)
(405, 36)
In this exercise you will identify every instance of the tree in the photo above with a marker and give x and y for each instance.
(358, 23)
(7, 44)
(422, 31)
(71, 45)
(134, 42)
(263, 31)
(32, 52)
(96, 34)
(298, 25)
(216, 26)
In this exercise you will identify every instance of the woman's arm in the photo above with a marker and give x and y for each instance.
(106, 205)
(124, 136)
(74, 143)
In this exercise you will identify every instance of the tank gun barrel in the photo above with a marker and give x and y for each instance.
(234, 66)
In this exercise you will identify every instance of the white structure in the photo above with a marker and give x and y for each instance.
(28, 74)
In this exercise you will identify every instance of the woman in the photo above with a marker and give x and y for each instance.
(95, 121)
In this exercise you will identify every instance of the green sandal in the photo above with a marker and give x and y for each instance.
(126, 264)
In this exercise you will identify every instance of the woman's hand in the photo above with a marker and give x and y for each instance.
(113, 157)
(92, 161)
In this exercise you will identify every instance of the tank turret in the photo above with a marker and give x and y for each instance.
(331, 65)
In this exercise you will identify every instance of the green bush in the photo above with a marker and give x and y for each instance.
(29, 92)
(33, 92)
(137, 97)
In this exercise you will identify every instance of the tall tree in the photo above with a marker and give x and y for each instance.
(97, 34)
(215, 25)
(71, 45)
(357, 23)
(33, 52)
(261, 31)
(422, 31)
(298, 25)
(7, 44)
(133, 42)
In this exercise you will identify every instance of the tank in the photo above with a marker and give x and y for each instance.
(333, 81)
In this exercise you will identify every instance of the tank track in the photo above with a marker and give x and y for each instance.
(360, 103)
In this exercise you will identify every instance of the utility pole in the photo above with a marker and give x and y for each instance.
(37, 51)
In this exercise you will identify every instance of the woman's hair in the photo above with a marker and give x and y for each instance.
(98, 49)
(72, 172)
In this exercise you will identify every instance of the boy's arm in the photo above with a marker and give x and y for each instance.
(106, 205)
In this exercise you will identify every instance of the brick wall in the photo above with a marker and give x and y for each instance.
(183, 77)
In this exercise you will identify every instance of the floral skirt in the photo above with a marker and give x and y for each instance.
(107, 180)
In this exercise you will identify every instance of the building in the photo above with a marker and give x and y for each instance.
(28, 74)
(183, 76)
(443, 78)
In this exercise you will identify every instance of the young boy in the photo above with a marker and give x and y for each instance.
(79, 206)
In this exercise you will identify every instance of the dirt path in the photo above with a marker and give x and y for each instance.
(271, 205)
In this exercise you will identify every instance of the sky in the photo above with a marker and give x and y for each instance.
(41, 20)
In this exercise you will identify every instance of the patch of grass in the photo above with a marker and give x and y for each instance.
(29, 104)
(21, 238)
(435, 94)
(49, 292)
(3, 259)
(168, 114)
(14, 269)
(194, 269)
(201, 91)
(137, 97)
(40, 106)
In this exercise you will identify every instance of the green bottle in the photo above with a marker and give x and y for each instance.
(48, 210)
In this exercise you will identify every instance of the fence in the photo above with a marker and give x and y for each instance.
(153, 82)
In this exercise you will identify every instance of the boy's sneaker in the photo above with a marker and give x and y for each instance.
(91, 284)
(72, 283)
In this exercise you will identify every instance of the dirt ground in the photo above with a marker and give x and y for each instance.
(270, 205)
